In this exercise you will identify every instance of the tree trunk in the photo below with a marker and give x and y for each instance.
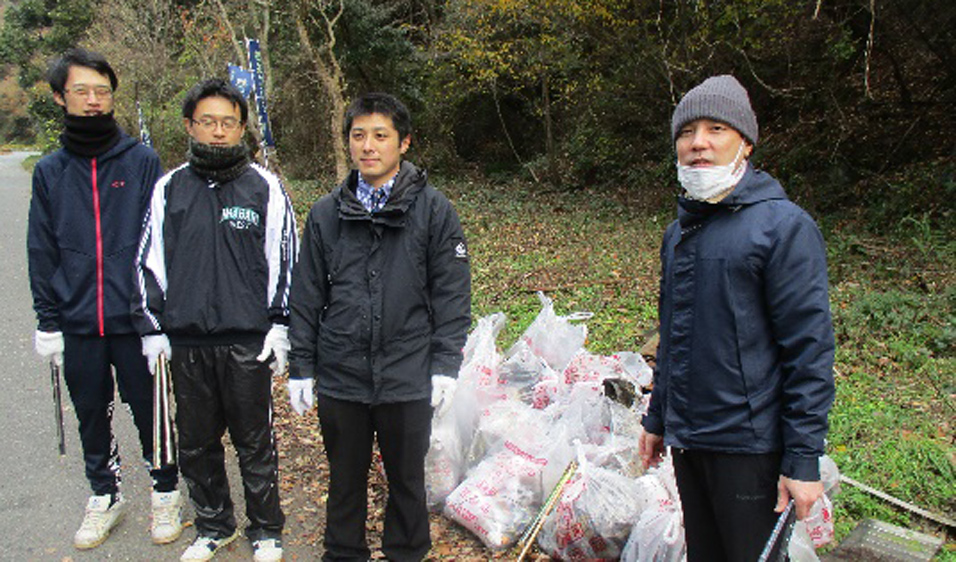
(331, 80)
(242, 59)
(548, 130)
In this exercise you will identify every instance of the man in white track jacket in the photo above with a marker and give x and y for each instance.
(213, 277)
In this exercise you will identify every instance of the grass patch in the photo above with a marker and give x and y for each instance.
(893, 298)
(585, 250)
(30, 162)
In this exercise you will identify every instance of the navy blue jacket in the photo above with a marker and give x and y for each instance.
(746, 349)
(380, 301)
(85, 219)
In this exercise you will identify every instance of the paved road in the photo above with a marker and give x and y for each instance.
(42, 495)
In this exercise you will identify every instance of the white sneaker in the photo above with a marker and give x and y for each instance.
(100, 519)
(167, 524)
(267, 550)
(204, 548)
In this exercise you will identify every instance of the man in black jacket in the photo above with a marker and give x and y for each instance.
(744, 380)
(89, 198)
(381, 306)
(213, 275)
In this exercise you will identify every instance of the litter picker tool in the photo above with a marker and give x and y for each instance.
(527, 539)
(163, 442)
(777, 545)
(58, 406)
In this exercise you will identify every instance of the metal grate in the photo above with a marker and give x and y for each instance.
(878, 541)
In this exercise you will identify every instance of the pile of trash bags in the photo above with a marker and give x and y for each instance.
(519, 420)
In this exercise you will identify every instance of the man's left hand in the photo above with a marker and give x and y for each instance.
(276, 342)
(443, 391)
(804, 494)
(301, 396)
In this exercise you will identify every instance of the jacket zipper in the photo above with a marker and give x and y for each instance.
(99, 253)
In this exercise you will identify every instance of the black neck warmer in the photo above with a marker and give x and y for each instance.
(90, 136)
(220, 164)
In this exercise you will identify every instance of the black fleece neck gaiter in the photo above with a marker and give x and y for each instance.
(90, 136)
(220, 164)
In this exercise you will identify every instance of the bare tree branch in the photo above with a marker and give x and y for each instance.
(329, 73)
(236, 45)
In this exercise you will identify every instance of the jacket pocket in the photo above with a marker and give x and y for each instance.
(339, 350)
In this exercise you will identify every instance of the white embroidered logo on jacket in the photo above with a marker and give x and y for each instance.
(239, 217)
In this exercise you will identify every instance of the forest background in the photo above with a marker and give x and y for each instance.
(547, 123)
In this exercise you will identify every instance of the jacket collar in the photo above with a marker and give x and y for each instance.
(124, 143)
(754, 187)
(408, 184)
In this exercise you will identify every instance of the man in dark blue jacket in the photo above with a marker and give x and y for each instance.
(381, 306)
(89, 198)
(744, 380)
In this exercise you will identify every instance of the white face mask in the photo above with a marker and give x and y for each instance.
(703, 183)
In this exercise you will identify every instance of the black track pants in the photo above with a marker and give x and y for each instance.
(403, 430)
(728, 503)
(218, 388)
(88, 365)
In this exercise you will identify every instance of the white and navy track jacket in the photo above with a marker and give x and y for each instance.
(215, 261)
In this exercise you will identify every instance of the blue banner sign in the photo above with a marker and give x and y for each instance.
(241, 79)
(259, 87)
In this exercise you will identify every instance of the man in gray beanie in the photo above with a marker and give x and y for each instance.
(744, 381)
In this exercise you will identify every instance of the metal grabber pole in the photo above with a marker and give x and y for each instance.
(163, 445)
(58, 405)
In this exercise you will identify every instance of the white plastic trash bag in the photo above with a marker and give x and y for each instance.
(652, 495)
(801, 548)
(830, 476)
(635, 367)
(507, 419)
(520, 374)
(445, 460)
(819, 522)
(479, 368)
(587, 368)
(500, 497)
(657, 537)
(553, 338)
(593, 518)
(583, 415)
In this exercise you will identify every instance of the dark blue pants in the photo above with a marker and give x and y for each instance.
(403, 430)
(217, 388)
(89, 363)
(728, 503)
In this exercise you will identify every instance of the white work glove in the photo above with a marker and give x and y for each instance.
(277, 342)
(49, 345)
(443, 391)
(153, 345)
(300, 395)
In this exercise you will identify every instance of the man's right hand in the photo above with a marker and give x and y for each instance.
(49, 345)
(650, 448)
(153, 345)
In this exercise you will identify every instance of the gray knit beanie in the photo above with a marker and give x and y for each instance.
(720, 98)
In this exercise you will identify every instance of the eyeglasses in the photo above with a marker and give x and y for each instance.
(99, 92)
(210, 124)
